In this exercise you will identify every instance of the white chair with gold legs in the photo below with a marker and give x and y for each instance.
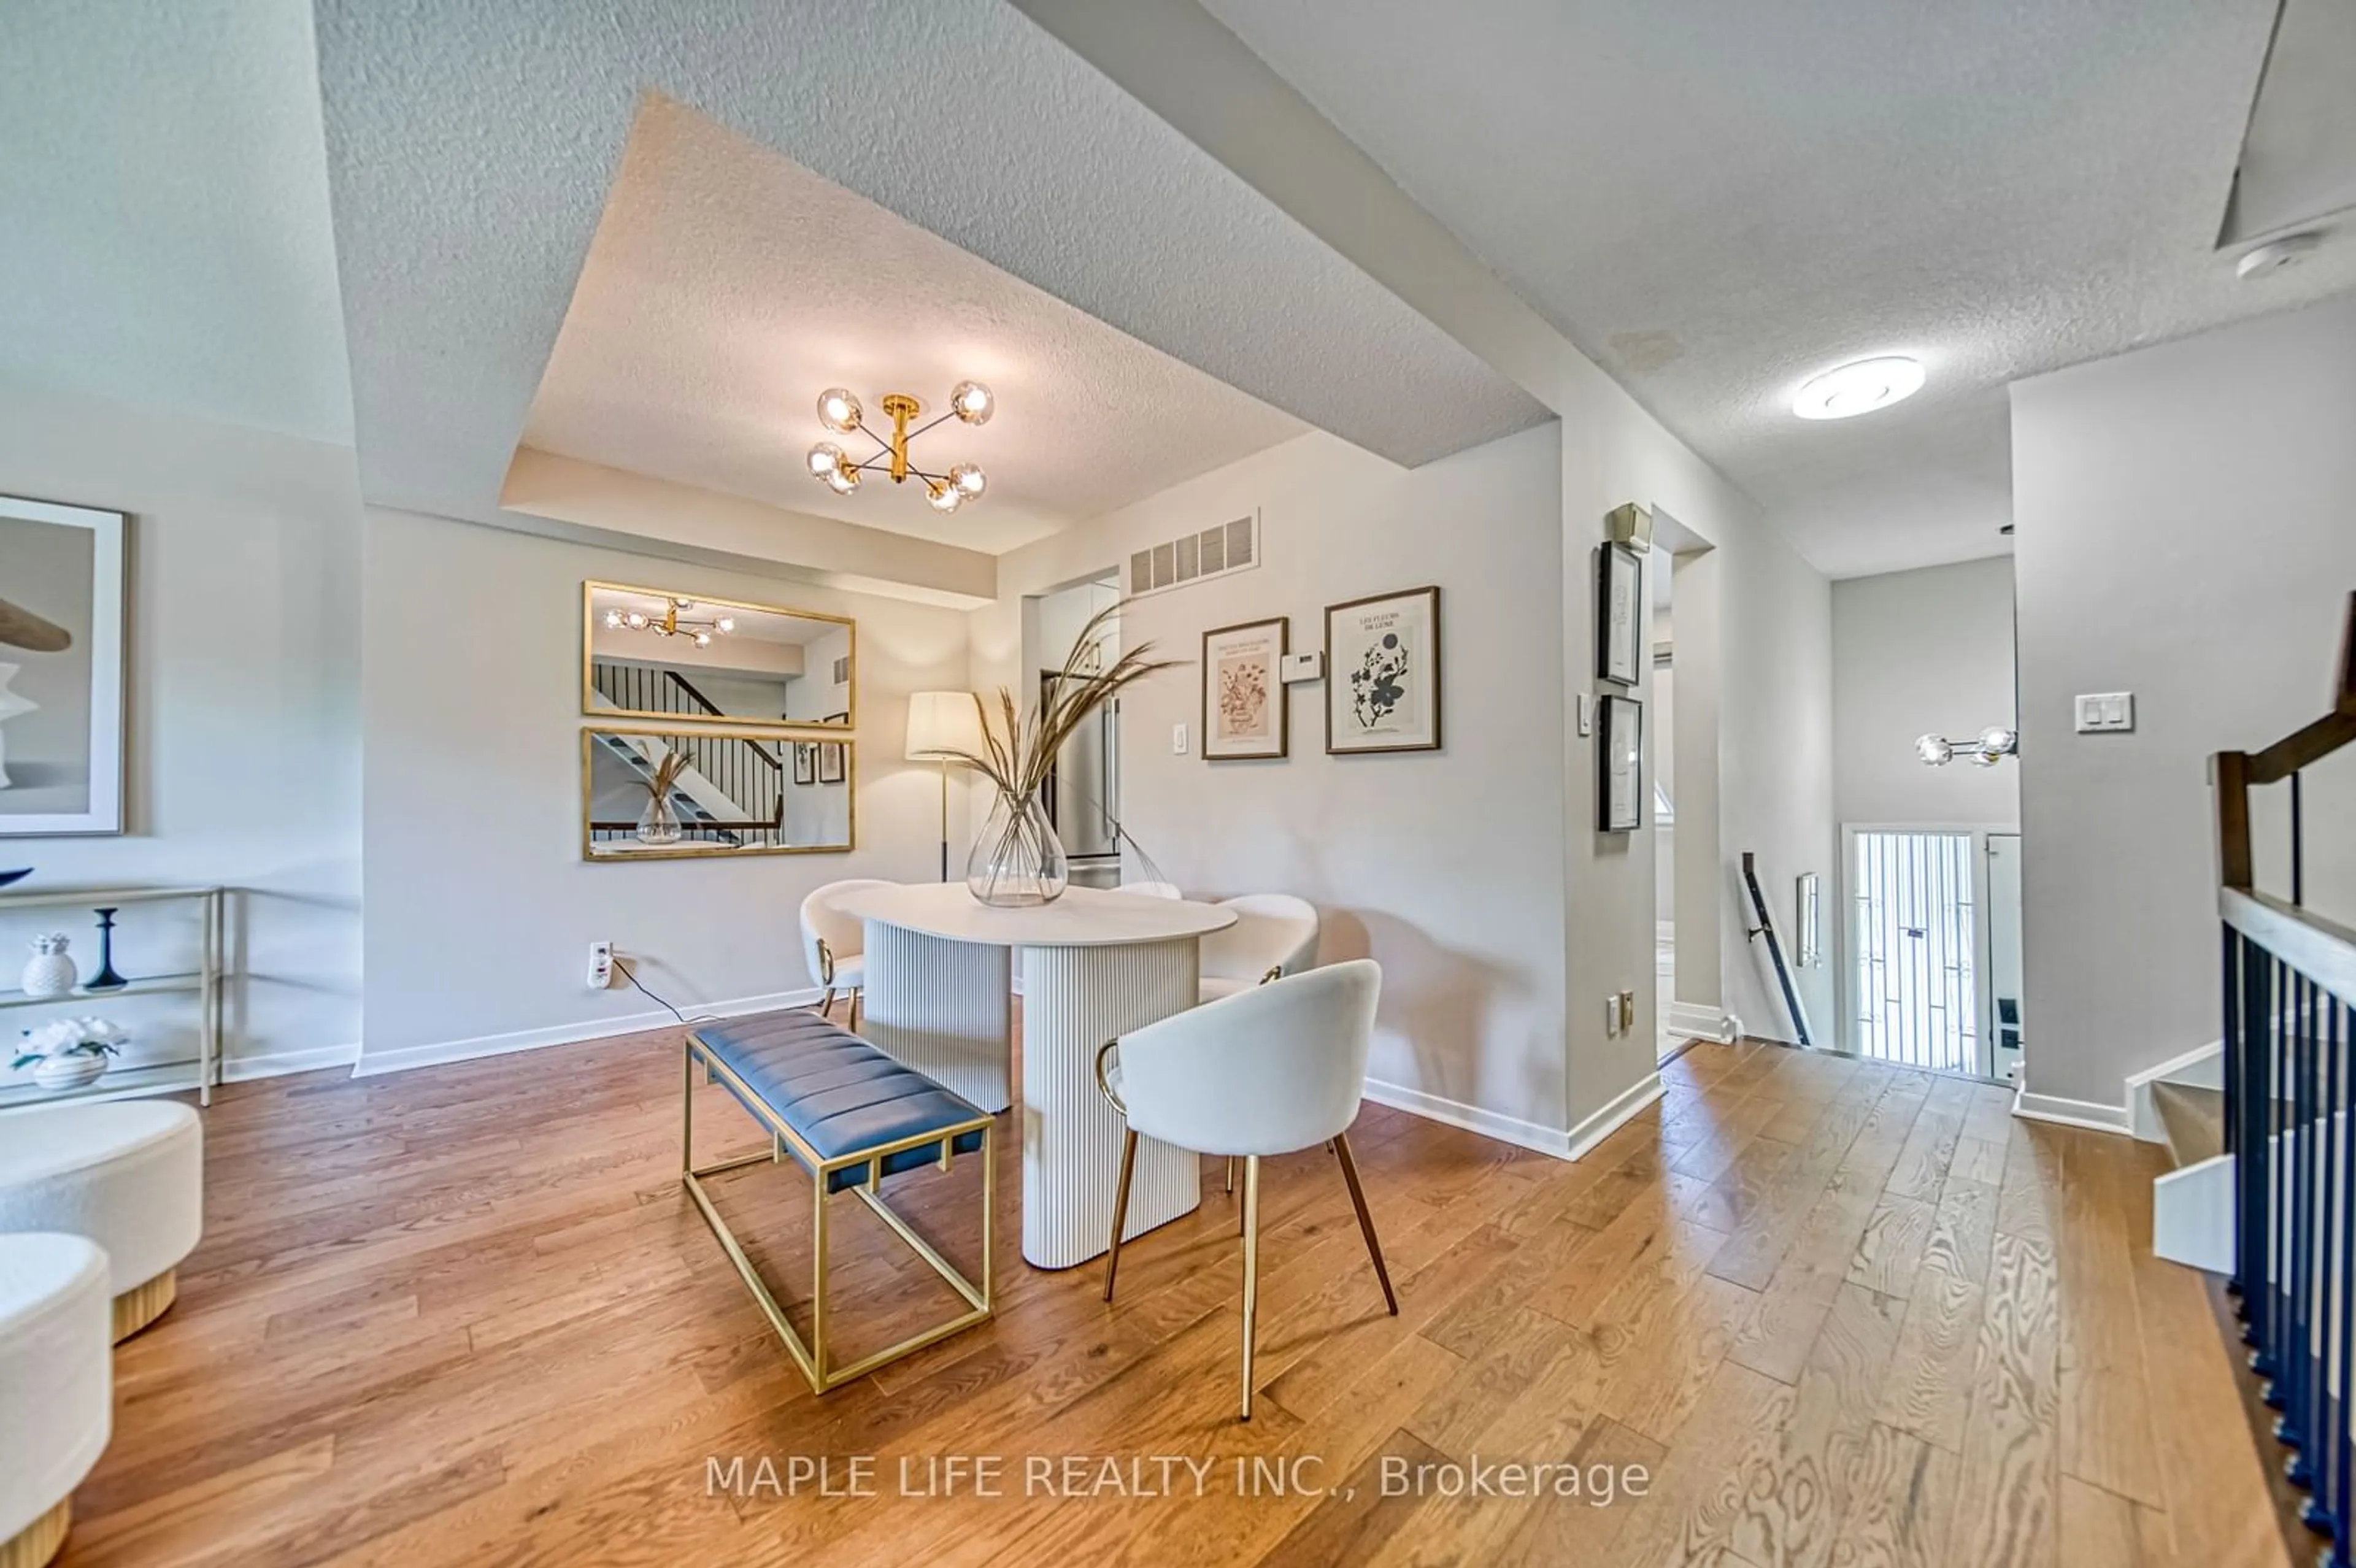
(833, 942)
(1274, 934)
(128, 1174)
(1266, 1072)
(57, 1377)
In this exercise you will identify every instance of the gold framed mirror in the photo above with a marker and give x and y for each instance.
(653, 794)
(668, 656)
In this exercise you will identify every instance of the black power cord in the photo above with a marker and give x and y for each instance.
(631, 975)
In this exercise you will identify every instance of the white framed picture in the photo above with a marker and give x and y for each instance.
(1620, 791)
(62, 674)
(1245, 707)
(1382, 673)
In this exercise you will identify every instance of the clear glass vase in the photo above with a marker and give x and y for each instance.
(1017, 861)
(658, 824)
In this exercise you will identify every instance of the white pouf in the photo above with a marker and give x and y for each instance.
(128, 1174)
(57, 1396)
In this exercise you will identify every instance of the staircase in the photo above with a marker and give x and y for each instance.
(731, 793)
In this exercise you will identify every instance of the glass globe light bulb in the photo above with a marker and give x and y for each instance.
(725, 625)
(945, 498)
(702, 639)
(612, 620)
(1934, 750)
(635, 621)
(970, 480)
(838, 410)
(1998, 741)
(842, 481)
(972, 402)
(824, 459)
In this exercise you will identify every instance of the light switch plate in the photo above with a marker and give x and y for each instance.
(1586, 713)
(1611, 1015)
(1178, 739)
(2106, 713)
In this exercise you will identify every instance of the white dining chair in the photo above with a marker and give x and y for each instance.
(1151, 889)
(833, 942)
(1274, 934)
(1270, 1070)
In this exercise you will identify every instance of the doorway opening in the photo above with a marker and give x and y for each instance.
(1082, 791)
(1935, 949)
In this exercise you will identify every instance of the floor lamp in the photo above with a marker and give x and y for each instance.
(943, 727)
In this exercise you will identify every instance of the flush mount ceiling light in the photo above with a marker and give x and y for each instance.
(1859, 387)
(670, 624)
(1985, 748)
(839, 412)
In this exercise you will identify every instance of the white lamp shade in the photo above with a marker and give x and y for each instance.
(944, 726)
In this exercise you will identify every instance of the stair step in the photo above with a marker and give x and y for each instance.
(2195, 1119)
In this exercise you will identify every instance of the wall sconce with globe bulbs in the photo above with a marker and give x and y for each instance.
(1985, 749)
(839, 410)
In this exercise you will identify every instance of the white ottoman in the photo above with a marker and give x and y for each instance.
(57, 1397)
(128, 1174)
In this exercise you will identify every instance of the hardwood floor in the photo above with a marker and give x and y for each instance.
(1838, 1314)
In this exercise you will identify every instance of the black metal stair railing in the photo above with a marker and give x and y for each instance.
(2290, 1104)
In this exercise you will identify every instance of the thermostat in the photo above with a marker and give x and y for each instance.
(1298, 668)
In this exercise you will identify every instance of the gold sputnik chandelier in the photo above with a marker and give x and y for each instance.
(670, 623)
(839, 412)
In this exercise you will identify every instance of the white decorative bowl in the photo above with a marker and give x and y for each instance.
(76, 1072)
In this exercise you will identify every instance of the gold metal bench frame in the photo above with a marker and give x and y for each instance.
(811, 1356)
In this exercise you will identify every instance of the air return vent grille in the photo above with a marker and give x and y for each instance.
(1213, 552)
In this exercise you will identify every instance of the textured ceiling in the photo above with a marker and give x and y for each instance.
(471, 148)
(1718, 199)
(164, 232)
(728, 284)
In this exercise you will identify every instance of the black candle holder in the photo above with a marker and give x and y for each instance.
(106, 980)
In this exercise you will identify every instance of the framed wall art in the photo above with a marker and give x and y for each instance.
(1619, 783)
(1619, 630)
(804, 762)
(830, 761)
(1382, 665)
(1246, 709)
(62, 667)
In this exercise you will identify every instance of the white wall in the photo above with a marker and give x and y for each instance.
(2186, 520)
(479, 911)
(1444, 865)
(1916, 653)
(244, 711)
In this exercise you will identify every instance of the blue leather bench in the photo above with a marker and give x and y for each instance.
(851, 1116)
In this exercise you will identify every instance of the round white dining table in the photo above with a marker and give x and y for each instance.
(1095, 965)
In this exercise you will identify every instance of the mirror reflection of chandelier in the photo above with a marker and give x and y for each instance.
(839, 412)
(670, 623)
(1985, 749)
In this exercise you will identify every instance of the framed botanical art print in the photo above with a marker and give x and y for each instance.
(1382, 673)
(1619, 614)
(1245, 711)
(804, 762)
(1620, 782)
(830, 761)
(61, 668)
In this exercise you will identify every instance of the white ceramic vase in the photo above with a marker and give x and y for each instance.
(50, 971)
(78, 1071)
(11, 704)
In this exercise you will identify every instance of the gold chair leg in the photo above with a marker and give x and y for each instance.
(1120, 1205)
(825, 1005)
(1365, 1220)
(1231, 1176)
(855, 996)
(1251, 1271)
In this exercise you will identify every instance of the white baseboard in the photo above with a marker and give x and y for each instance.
(1472, 1118)
(1692, 1020)
(400, 1058)
(2090, 1113)
(278, 1063)
(2203, 1067)
(1513, 1129)
(2192, 1215)
(1607, 1121)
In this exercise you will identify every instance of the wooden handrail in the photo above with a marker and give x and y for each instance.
(2236, 772)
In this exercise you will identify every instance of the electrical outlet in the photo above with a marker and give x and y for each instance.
(1178, 739)
(600, 965)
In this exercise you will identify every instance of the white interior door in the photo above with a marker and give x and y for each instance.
(1916, 902)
